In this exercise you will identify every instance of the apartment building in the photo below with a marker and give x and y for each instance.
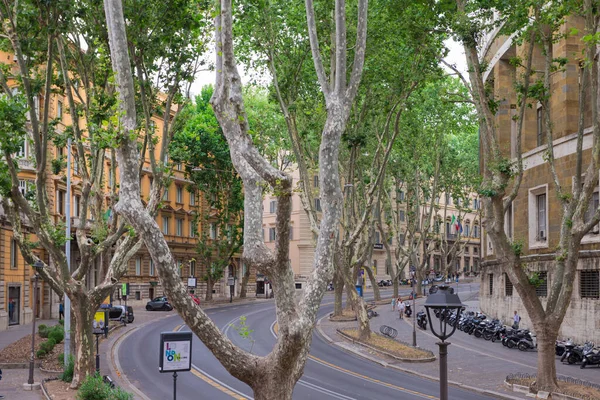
(176, 219)
(534, 217)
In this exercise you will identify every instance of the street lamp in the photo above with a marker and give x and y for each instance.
(414, 310)
(38, 265)
(446, 302)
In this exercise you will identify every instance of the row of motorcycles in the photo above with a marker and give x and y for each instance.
(478, 325)
(585, 354)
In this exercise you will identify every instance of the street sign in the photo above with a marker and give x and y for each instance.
(231, 281)
(192, 282)
(175, 351)
(378, 246)
(100, 322)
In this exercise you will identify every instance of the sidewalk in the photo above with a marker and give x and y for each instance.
(467, 370)
(11, 385)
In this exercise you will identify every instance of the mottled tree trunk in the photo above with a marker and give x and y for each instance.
(546, 372)
(244, 286)
(210, 284)
(395, 284)
(84, 341)
(376, 292)
(338, 289)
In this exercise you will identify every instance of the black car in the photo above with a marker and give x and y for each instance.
(121, 313)
(159, 303)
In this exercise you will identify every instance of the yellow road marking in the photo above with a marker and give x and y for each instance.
(218, 386)
(177, 328)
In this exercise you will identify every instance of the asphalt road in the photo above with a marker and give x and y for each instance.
(329, 373)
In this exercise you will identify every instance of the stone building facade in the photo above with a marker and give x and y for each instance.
(534, 217)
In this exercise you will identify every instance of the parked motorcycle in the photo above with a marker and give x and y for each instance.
(574, 354)
(422, 320)
(407, 309)
(559, 347)
(527, 342)
(591, 357)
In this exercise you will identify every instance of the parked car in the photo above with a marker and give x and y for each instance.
(159, 303)
(195, 298)
(121, 313)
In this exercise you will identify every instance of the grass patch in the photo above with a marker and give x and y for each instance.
(391, 346)
(579, 390)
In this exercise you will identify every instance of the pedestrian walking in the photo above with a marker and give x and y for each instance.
(401, 307)
(61, 311)
(394, 304)
(516, 320)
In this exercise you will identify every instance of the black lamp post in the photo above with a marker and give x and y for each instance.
(37, 265)
(446, 302)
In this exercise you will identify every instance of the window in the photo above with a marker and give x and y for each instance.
(179, 226)
(192, 199)
(138, 266)
(541, 217)
(491, 284)
(476, 231)
(214, 231)
(179, 194)
(402, 215)
(166, 194)
(466, 250)
(316, 181)
(14, 254)
(589, 284)
(59, 110)
(152, 269)
(475, 250)
(475, 204)
(179, 167)
(541, 130)
(166, 221)
(272, 234)
(273, 206)
(192, 231)
(401, 195)
(513, 130)
(179, 267)
(377, 237)
(537, 217)
(76, 205)
(467, 229)
(541, 289)
(192, 268)
(508, 286)
(467, 263)
(318, 204)
(111, 177)
(75, 167)
(60, 202)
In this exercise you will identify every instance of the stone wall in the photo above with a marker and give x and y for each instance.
(582, 320)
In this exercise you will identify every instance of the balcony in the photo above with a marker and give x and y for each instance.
(26, 164)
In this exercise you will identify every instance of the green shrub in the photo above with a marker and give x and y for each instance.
(93, 388)
(61, 322)
(67, 375)
(40, 353)
(61, 359)
(48, 345)
(120, 394)
(57, 334)
(43, 331)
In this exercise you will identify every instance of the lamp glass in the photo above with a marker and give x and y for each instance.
(446, 302)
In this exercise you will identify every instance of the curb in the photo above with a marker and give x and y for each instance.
(24, 365)
(408, 371)
(409, 360)
(44, 391)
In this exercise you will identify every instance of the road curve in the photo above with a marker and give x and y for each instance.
(329, 373)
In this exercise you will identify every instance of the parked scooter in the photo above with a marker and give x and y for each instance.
(407, 309)
(559, 347)
(422, 320)
(574, 354)
(527, 342)
(591, 357)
